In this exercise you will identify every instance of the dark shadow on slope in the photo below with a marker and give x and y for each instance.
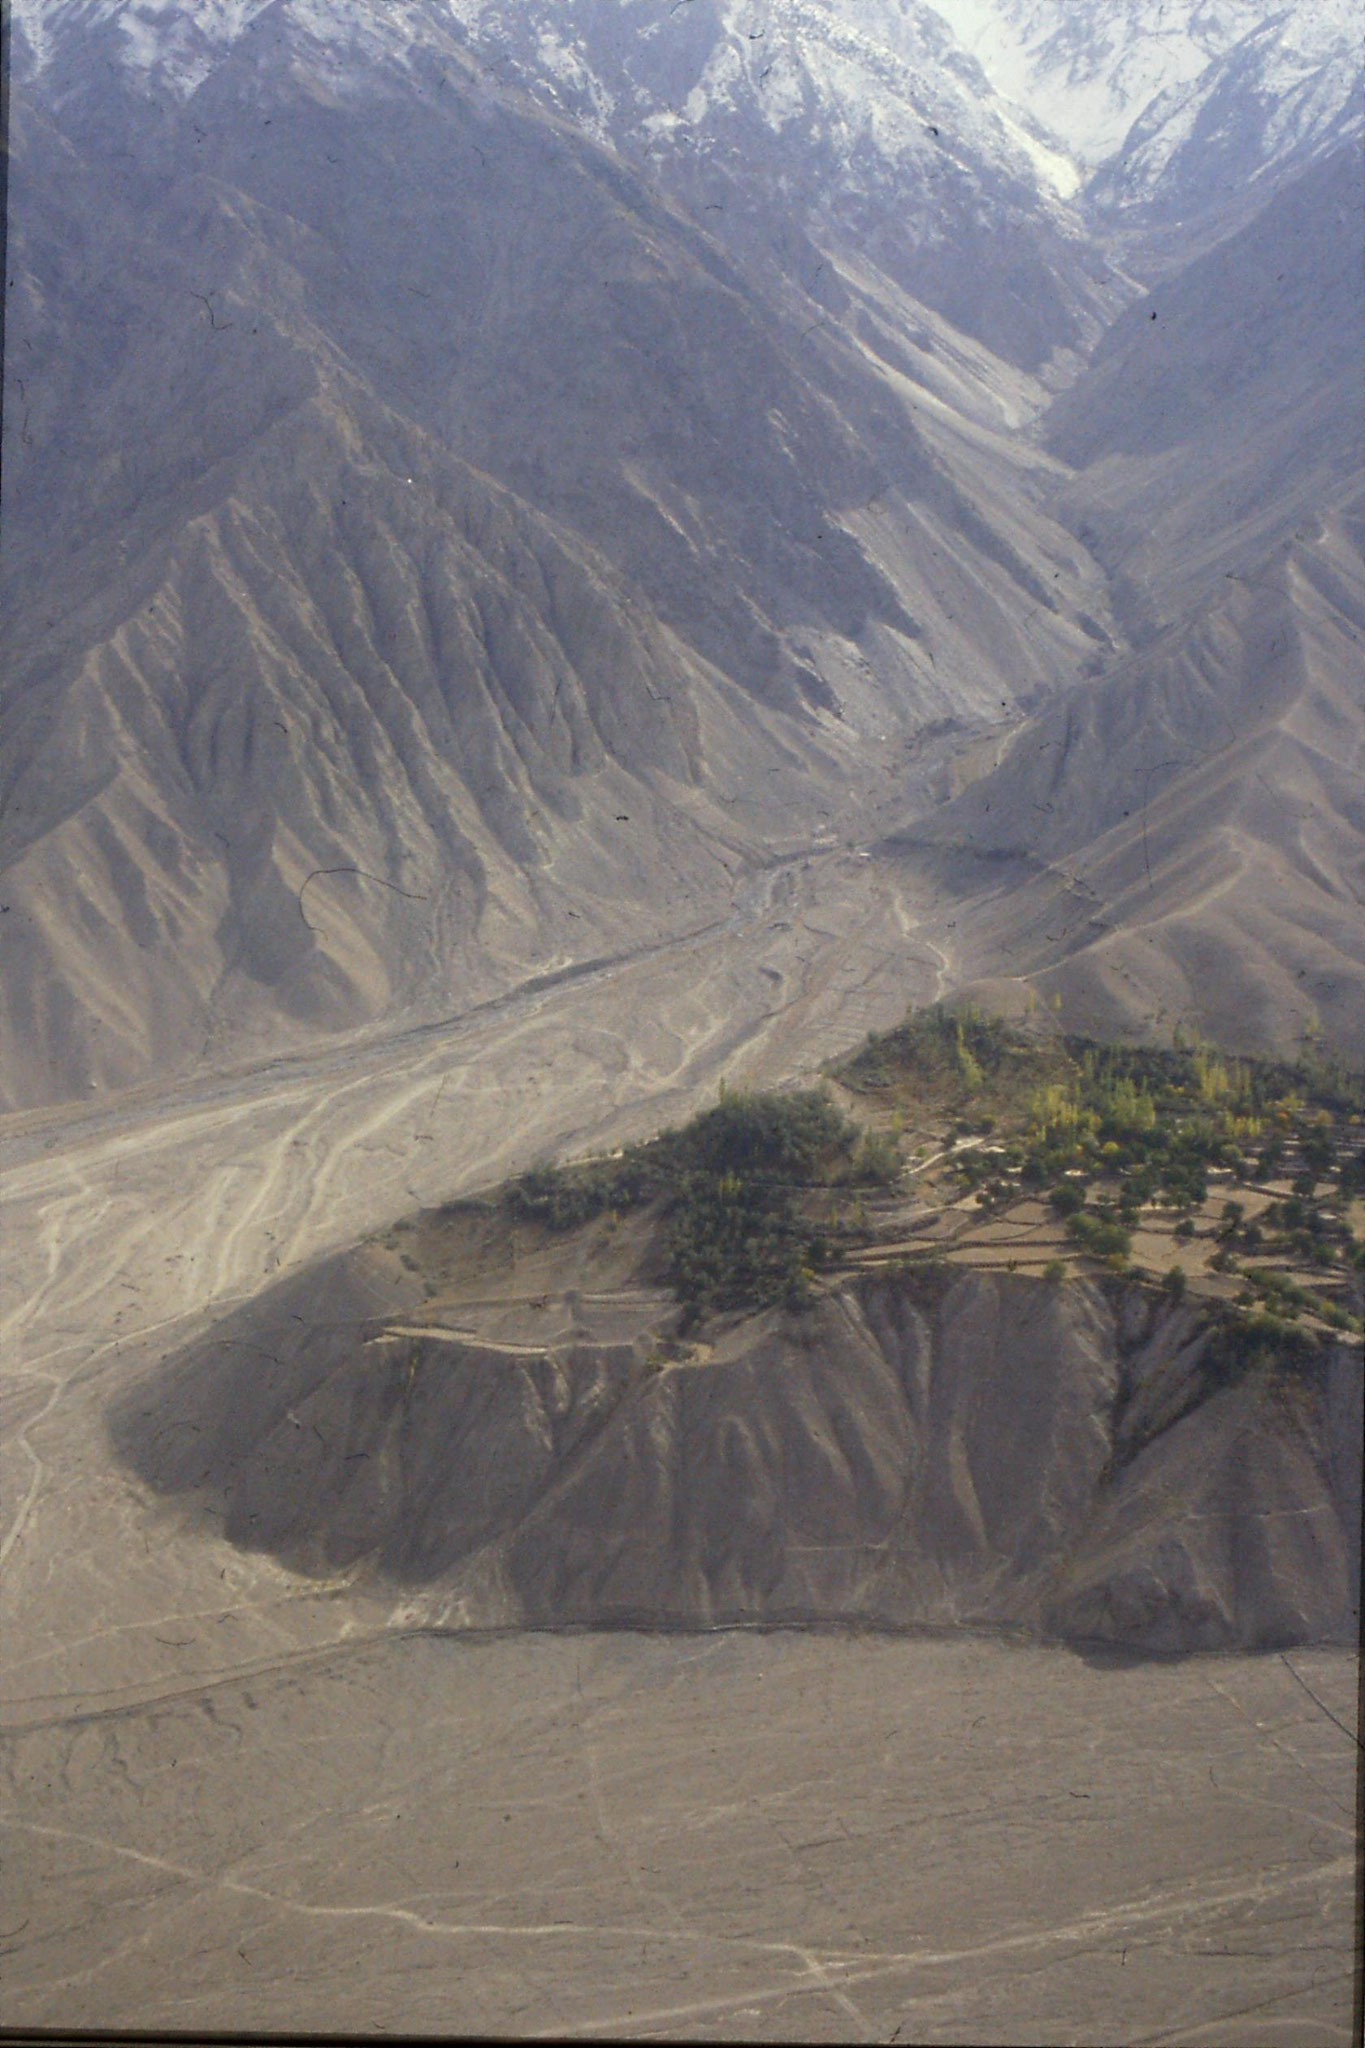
(890, 1457)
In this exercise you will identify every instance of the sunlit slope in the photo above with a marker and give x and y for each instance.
(400, 486)
(1187, 840)
(1287, 92)
(361, 742)
(1225, 409)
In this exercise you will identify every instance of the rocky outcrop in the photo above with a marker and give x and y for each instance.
(981, 1450)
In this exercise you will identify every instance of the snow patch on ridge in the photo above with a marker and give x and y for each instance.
(1056, 169)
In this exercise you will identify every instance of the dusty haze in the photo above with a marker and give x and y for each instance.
(556, 556)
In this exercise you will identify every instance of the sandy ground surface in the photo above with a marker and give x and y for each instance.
(240, 1798)
(768, 1837)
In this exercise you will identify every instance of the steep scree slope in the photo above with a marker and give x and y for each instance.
(991, 1451)
(401, 493)
(1187, 839)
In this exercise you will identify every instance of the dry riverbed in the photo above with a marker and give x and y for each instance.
(241, 1798)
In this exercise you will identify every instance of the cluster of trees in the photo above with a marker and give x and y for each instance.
(1283, 1298)
(1239, 1344)
(1297, 1227)
(1119, 1128)
(1118, 1092)
(736, 1242)
(731, 1184)
(1158, 1121)
(786, 1138)
(739, 1231)
(565, 1197)
(1101, 1130)
(1101, 1239)
(952, 1052)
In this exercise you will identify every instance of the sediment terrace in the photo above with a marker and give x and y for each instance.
(546, 1443)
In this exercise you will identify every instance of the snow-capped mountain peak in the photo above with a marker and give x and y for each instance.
(1090, 67)
(1286, 92)
(1125, 82)
(884, 79)
(1047, 89)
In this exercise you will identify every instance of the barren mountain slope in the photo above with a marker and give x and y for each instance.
(787, 124)
(434, 558)
(800, 127)
(1225, 408)
(282, 607)
(1288, 92)
(1187, 839)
